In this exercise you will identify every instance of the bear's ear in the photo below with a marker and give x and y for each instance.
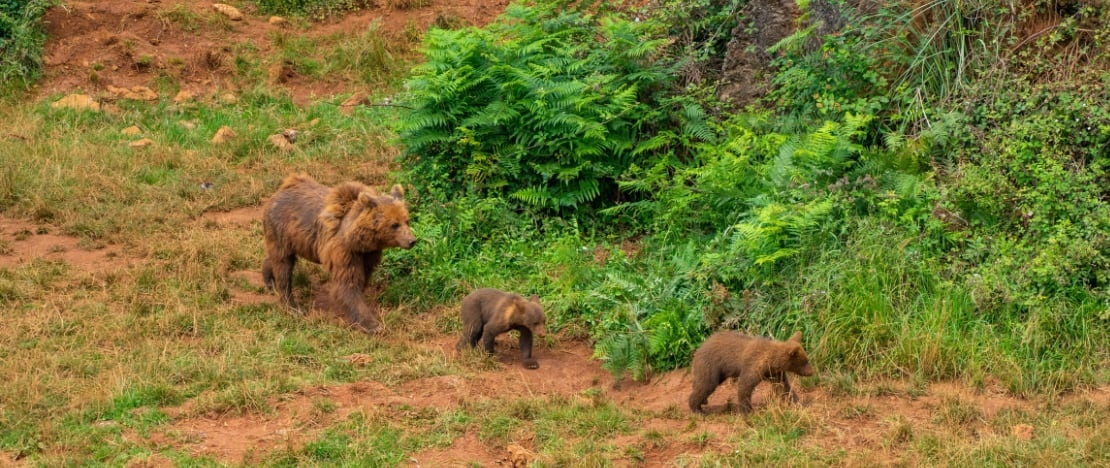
(535, 299)
(366, 199)
(398, 192)
(796, 337)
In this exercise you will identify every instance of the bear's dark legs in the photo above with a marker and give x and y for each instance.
(471, 334)
(488, 337)
(277, 273)
(526, 348)
(705, 383)
(780, 386)
(745, 387)
(353, 302)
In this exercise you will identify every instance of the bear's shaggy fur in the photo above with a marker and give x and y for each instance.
(344, 228)
(489, 312)
(750, 360)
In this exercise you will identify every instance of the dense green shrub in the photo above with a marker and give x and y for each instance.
(21, 41)
(1030, 180)
(547, 106)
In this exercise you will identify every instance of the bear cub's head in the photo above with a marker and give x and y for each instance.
(529, 313)
(798, 360)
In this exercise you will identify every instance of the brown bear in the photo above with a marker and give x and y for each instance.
(489, 312)
(344, 228)
(750, 360)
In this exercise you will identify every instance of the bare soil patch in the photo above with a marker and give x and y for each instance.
(23, 242)
(95, 45)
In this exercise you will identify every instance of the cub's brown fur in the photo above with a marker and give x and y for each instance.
(750, 360)
(489, 312)
(344, 228)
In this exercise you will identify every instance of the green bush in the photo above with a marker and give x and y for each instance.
(21, 41)
(547, 107)
(1031, 178)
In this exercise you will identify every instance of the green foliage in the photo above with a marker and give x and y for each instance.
(1030, 177)
(317, 9)
(545, 106)
(21, 40)
(842, 76)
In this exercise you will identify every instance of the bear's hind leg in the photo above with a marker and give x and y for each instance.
(704, 385)
(277, 273)
(470, 336)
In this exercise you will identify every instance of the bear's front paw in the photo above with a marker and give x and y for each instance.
(368, 327)
(531, 364)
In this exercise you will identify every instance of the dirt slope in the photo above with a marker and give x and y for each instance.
(93, 45)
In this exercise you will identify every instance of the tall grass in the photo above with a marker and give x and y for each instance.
(21, 41)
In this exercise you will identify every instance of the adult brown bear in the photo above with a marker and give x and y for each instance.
(344, 228)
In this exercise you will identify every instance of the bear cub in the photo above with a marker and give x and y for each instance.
(489, 312)
(750, 360)
(344, 228)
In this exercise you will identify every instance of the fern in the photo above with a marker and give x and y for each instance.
(547, 106)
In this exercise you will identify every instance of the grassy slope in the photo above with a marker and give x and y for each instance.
(92, 360)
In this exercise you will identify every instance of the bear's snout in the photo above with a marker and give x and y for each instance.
(409, 244)
(806, 370)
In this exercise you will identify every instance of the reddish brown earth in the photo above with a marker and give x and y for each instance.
(93, 45)
(23, 243)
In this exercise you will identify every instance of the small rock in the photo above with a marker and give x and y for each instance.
(222, 135)
(141, 143)
(229, 11)
(131, 131)
(519, 457)
(137, 93)
(1023, 431)
(291, 134)
(360, 359)
(280, 73)
(277, 21)
(281, 142)
(359, 98)
(184, 96)
(76, 101)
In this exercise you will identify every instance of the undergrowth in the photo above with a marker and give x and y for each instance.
(21, 41)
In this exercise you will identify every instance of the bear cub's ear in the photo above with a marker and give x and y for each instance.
(535, 299)
(366, 199)
(398, 192)
(796, 337)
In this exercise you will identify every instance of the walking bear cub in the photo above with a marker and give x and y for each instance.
(750, 360)
(489, 312)
(344, 228)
